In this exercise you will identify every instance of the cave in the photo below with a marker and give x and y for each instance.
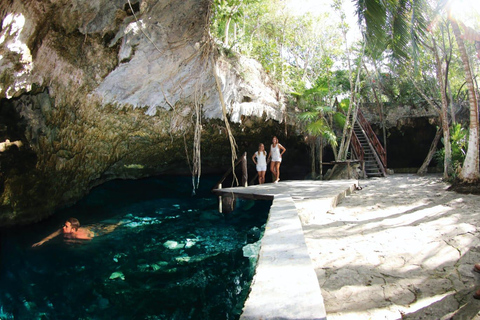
(408, 144)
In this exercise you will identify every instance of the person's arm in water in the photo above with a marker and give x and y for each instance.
(47, 238)
(282, 148)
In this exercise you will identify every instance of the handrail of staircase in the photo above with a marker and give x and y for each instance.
(243, 161)
(357, 147)
(372, 137)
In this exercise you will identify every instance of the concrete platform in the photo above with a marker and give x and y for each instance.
(285, 284)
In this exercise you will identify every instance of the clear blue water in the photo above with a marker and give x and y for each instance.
(175, 256)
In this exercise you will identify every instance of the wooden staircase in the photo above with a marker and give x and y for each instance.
(367, 148)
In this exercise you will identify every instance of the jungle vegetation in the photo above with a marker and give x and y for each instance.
(393, 52)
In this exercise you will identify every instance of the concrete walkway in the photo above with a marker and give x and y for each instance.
(401, 248)
(285, 285)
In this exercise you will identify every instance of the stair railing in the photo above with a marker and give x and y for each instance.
(372, 137)
(357, 147)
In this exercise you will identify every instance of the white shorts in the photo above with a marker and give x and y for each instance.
(277, 160)
(261, 167)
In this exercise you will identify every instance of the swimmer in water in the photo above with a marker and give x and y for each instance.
(72, 231)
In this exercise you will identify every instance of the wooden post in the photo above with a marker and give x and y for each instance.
(244, 170)
(220, 200)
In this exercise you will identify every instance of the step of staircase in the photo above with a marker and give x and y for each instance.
(372, 168)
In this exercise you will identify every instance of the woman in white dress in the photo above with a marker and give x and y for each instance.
(260, 160)
(276, 152)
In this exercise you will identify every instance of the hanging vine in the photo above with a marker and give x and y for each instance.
(197, 138)
(231, 138)
(206, 51)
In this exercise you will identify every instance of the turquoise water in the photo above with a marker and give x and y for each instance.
(174, 257)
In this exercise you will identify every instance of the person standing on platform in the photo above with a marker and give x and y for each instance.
(276, 152)
(260, 160)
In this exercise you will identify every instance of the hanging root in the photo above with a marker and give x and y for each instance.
(231, 138)
(197, 158)
(141, 29)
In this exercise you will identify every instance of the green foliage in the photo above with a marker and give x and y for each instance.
(339, 119)
(459, 141)
(294, 50)
(343, 105)
(394, 24)
(320, 128)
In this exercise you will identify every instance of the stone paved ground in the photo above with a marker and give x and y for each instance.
(402, 246)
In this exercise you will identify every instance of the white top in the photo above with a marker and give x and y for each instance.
(261, 158)
(275, 152)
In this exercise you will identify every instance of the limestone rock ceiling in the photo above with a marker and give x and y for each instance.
(95, 91)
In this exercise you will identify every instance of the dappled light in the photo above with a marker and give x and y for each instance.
(396, 247)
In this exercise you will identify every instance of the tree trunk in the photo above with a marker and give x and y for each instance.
(312, 153)
(452, 107)
(353, 106)
(234, 33)
(447, 163)
(227, 27)
(470, 169)
(379, 105)
(433, 147)
(320, 157)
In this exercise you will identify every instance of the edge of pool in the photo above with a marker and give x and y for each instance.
(285, 285)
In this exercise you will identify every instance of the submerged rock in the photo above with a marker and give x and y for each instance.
(117, 275)
(173, 245)
(251, 250)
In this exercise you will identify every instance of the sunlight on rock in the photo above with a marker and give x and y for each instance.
(7, 144)
(134, 166)
(133, 27)
(12, 28)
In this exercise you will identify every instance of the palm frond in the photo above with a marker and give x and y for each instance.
(318, 127)
(308, 115)
(395, 24)
(323, 110)
(339, 119)
(331, 138)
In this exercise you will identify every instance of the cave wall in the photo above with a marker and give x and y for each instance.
(410, 132)
(91, 92)
(408, 143)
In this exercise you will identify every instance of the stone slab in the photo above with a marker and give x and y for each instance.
(285, 284)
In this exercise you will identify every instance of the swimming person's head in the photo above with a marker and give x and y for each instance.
(71, 225)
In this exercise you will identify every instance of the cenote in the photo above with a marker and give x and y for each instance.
(175, 256)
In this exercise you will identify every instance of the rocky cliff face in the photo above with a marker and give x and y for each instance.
(101, 89)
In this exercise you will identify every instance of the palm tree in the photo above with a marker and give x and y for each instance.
(470, 169)
(320, 130)
(400, 25)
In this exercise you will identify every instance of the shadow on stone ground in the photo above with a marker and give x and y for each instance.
(465, 188)
(403, 247)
